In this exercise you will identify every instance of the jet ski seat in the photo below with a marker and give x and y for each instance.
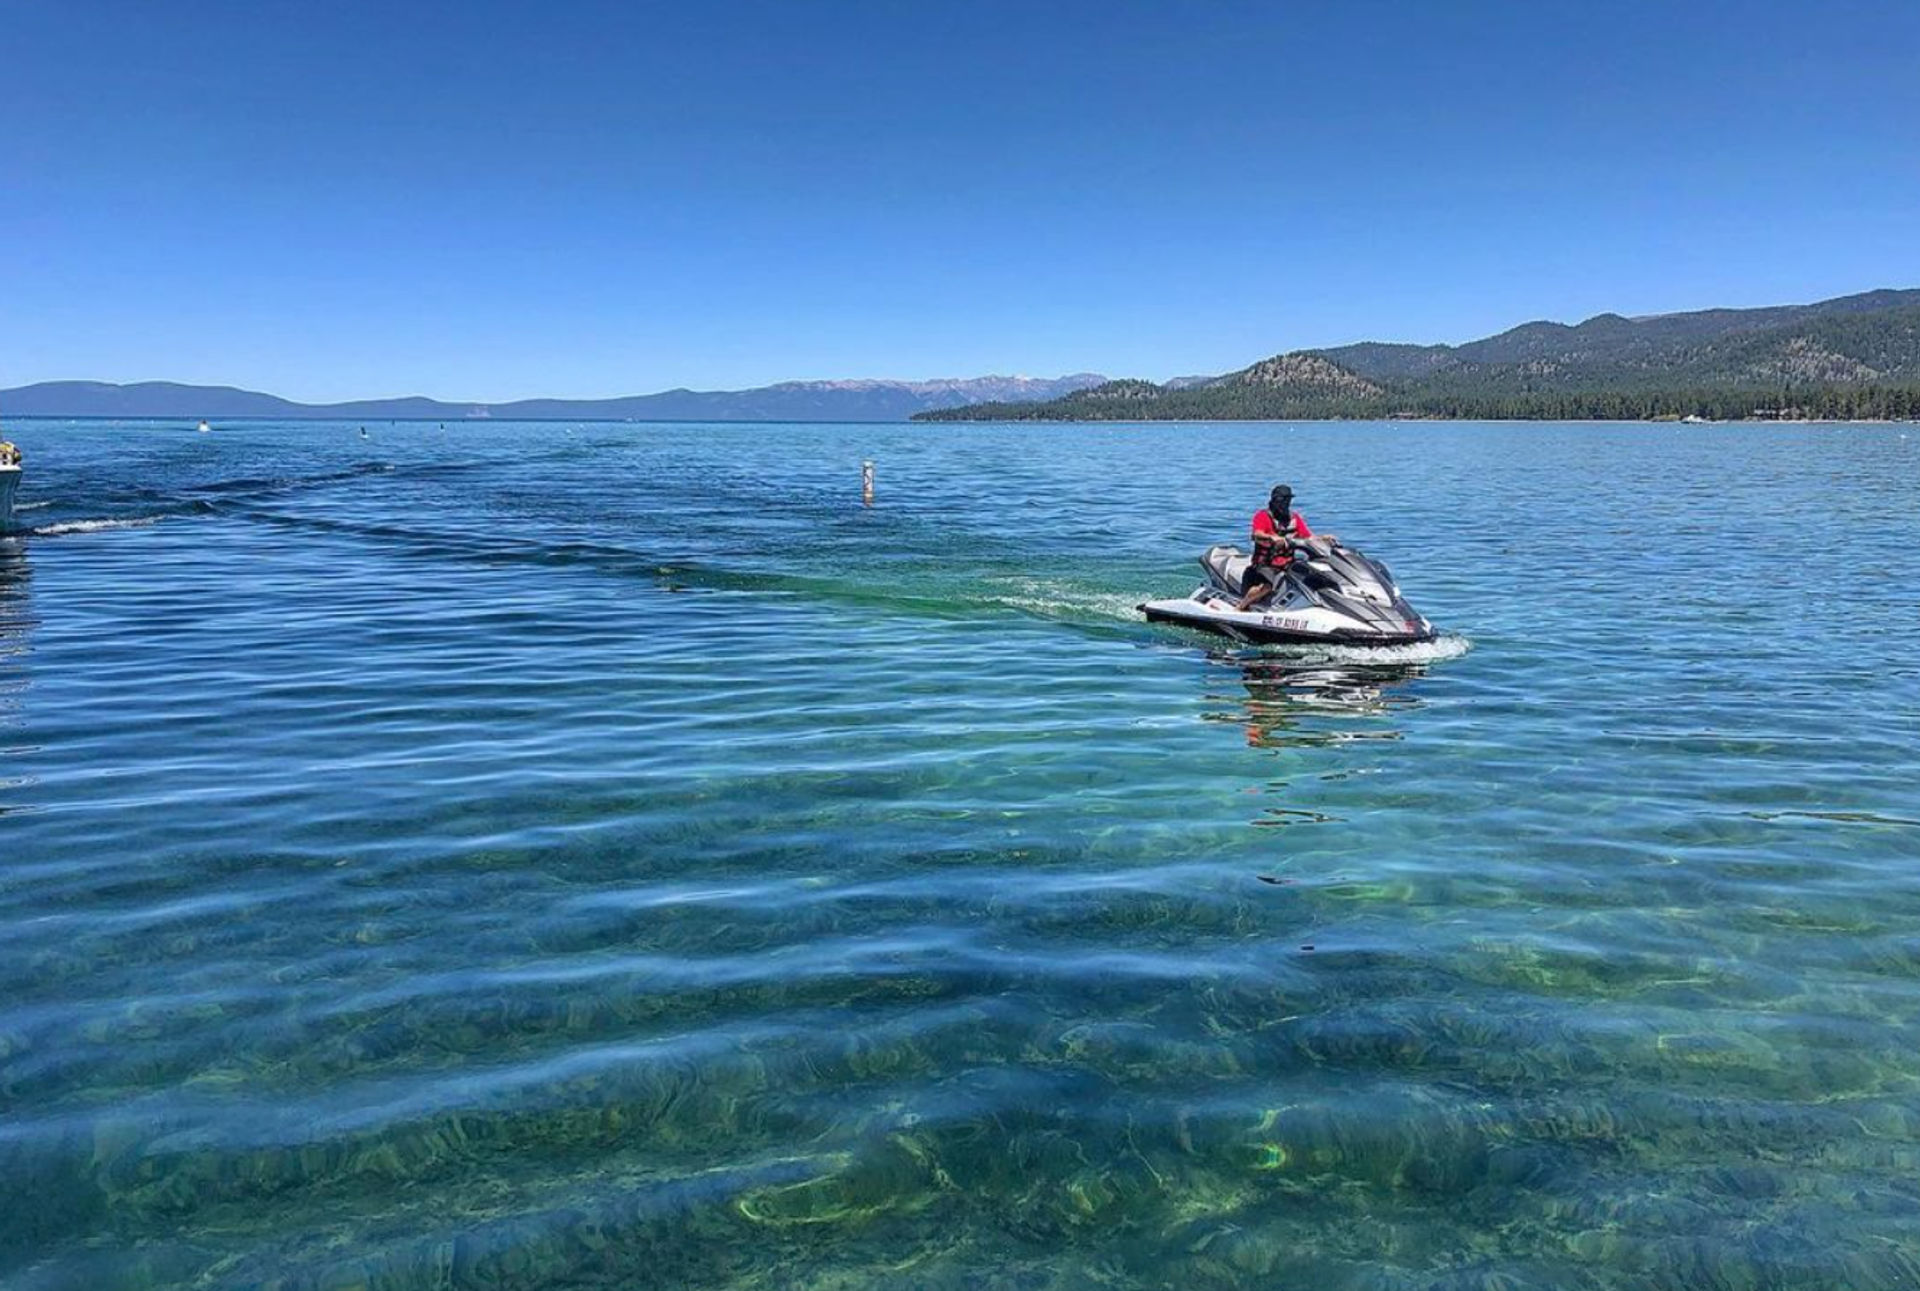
(1236, 571)
(1227, 568)
(1230, 565)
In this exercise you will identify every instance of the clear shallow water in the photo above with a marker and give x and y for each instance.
(534, 856)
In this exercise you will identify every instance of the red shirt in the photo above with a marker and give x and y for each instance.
(1263, 529)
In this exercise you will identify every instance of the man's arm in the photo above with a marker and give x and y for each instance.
(1302, 532)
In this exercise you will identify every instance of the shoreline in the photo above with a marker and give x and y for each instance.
(191, 422)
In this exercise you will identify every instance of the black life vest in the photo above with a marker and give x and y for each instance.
(1270, 550)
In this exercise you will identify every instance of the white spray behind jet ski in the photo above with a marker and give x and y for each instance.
(1328, 595)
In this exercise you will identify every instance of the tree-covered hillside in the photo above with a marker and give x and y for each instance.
(1857, 356)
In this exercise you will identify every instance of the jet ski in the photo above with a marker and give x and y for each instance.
(1328, 594)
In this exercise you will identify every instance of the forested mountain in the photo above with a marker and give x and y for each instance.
(1607, 339)
(1856, 356)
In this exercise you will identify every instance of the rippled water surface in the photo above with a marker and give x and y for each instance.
(586, 856)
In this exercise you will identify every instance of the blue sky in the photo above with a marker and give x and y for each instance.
(488, 200)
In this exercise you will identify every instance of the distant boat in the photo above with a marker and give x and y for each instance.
(204, 428)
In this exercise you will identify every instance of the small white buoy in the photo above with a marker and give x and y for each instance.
(866, 483)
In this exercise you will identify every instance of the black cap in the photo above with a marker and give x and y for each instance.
(1281, 498)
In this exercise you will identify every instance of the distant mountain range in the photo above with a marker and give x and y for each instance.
(788, 401)
(1854, 356)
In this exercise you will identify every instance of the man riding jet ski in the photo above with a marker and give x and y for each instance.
(1295, 589)
(1274, 532)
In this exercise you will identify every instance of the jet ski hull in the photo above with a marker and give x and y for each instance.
(1278, 629)
(1329, 595)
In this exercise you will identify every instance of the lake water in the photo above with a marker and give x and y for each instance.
(559, 856)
